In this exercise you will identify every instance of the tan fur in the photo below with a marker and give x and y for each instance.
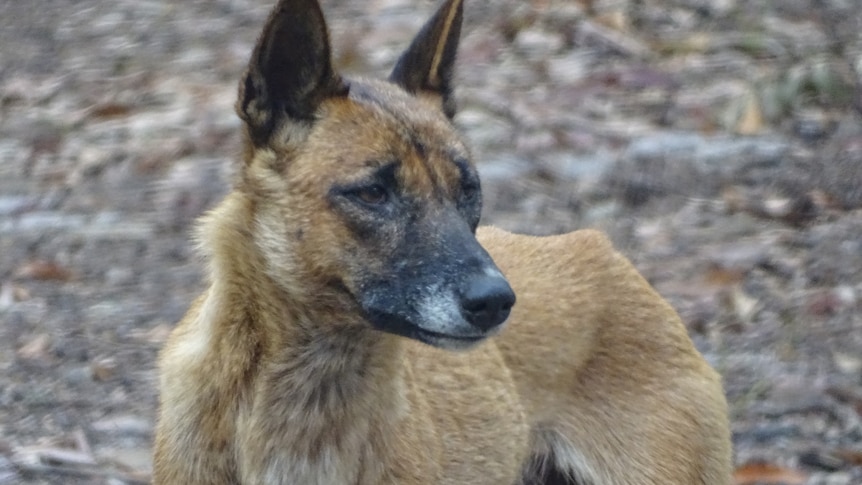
(612, 371)
(275, 376)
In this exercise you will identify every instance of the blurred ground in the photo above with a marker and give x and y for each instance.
(717, 141)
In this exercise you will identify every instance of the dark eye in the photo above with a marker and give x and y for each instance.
(371, 195)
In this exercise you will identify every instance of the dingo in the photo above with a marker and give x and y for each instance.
(346, 267)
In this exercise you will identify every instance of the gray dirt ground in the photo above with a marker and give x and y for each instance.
(718, 141)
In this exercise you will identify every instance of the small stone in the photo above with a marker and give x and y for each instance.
(156, 335)
(483, 128)
(839, 478)
(535, 141)
(104, 369)
(79, 375)
(123, 425)
(119, 276)
(847, 363)
(137, 459)
(36, 349)
(569, 69)
(7, 295)
(539, 43)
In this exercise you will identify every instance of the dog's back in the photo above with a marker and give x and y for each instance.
(602, 363)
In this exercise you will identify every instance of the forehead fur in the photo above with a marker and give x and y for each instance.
(415, 118)
(379, 124)
(415, 110)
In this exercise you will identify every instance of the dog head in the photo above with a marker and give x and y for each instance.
(366, 199)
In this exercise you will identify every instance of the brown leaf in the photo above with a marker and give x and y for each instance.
(851, 457)
(767, 474)
(110, 110)
(719, 275)
(41, 269)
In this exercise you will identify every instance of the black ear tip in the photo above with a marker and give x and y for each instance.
(290, 71)
(428, 64)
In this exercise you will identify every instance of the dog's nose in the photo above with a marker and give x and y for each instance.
(486, 301)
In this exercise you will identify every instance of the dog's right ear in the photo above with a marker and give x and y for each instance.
(290, 72)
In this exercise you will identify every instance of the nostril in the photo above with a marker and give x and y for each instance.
(475, 305)
(486, 301)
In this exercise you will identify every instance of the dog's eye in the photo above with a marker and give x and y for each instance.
(371, 195)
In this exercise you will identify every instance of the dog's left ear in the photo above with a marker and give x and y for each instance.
(429, 62)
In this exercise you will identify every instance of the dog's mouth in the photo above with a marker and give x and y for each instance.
(399, 325)
(447, 341)
(437, 320)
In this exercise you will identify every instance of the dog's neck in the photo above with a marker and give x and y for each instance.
(312, 342)
(330, 386)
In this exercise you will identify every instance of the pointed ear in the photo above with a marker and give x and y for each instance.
(290, 72)
(429, 62)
